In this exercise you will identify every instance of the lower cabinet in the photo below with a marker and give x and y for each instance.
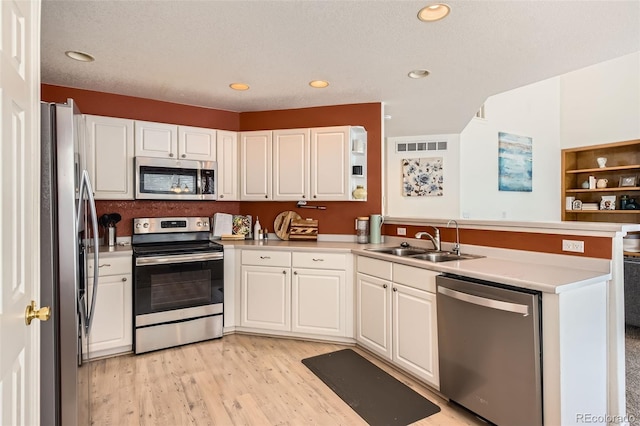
(302, 293)
(397, 317)
(111, 329)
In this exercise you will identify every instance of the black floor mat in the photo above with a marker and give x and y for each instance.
(377, 397)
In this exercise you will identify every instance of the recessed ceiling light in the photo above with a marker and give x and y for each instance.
(239, 86)
(79, 56)
(419, 73)
(319, 84)
(434, 12)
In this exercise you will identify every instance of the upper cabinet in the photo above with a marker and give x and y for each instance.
(109, 154)
(228, 176)
(255, 164)
(291, 164)
(318, 164)
(338, 162)
(600, 183)
(163, 140)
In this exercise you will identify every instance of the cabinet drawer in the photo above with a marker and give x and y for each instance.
(110, 265)
(374, 267)
(411, 276)
(318, 260)
(266, 258)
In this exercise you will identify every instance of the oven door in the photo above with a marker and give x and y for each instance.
(168, 283)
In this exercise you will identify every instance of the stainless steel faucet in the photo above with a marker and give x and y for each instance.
(435, 239)
(456, 246)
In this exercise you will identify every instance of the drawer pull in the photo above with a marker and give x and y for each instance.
(105, 264)
(265, 257)
(318, 260)
(124, 279)
(384, 286)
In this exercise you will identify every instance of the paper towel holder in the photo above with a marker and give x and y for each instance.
(303, 205)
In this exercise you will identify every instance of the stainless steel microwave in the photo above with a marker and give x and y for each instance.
(169, 179)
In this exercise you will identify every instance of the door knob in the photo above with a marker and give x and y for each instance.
(31, 313)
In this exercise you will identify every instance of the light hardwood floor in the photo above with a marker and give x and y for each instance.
(236, 380)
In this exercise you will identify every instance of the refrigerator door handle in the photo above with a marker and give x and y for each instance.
(85, 185)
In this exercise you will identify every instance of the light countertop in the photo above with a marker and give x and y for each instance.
(534, 276)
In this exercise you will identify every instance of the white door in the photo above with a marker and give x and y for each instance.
(157, 140)
(266, 298)
(318, 302)
(255, 165)
(227, 150)
(373, 322)
(19, 210)
(330, 163)
(196, 143)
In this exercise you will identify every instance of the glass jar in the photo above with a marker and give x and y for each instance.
(362, 229)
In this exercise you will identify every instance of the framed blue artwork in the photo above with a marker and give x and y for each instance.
(515, 162)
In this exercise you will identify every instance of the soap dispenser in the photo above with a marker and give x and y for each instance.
(256, 229)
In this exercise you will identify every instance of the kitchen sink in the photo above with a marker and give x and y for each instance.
(443, 256)
(399, 251)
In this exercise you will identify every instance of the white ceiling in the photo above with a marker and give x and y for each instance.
(188, 52)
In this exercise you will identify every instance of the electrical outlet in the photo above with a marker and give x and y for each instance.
(573, 245)
(401, 231)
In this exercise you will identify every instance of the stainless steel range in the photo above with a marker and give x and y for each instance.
(178, 282)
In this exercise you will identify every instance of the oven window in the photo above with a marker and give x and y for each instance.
(175, 286)
(176, 289)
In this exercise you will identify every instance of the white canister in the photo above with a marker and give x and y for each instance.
(569, 203)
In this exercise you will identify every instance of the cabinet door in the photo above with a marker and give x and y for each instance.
(111, 329)
(266, 298)
(330, 163)
(196, 143)
(255, 166)
(291, 164)
(156, 140)
(109, 156)
(373, 321)
(318, 302)
(227, 155)
(415, 335)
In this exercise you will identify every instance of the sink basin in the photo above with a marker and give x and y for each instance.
(399, 251)
(443, 256)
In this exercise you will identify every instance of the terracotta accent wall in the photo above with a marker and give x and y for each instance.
(598, 247)
(111, 105)
(339, 217)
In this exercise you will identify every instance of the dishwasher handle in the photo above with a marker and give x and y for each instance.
(483, 301)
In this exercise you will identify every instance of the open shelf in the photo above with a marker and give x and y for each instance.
(617, 188)
(605, 169)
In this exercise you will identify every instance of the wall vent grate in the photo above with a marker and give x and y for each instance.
(421, 146)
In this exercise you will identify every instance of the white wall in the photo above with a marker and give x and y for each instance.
(601, 103)
(595, 105)
(532, 111)
(439, 207)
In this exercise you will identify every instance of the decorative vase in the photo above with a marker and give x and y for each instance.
(359, 193)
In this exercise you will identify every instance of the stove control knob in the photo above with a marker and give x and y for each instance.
(138, 225)
(198, 224)
(145, 225)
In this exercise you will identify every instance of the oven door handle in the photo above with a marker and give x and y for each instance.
(178, 258)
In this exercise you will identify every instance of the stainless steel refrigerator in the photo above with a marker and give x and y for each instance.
(68, 227)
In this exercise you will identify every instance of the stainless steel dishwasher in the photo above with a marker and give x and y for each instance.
(489, 346)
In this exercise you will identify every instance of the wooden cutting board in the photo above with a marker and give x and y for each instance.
(282, 224)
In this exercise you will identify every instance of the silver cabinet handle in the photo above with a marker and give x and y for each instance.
(483, 301)
(318, 260)
(108, 265)
(265, 257)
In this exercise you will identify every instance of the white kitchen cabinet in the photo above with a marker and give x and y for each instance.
(109, 157)
(319, 295)
(266, 290)
(196, 143)
(397, 318)
(298, 293)
(373, 321)
(255, 165)
(112, 324)
(162, 140)
(338, 162)
(291, 164)
(227, 157)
